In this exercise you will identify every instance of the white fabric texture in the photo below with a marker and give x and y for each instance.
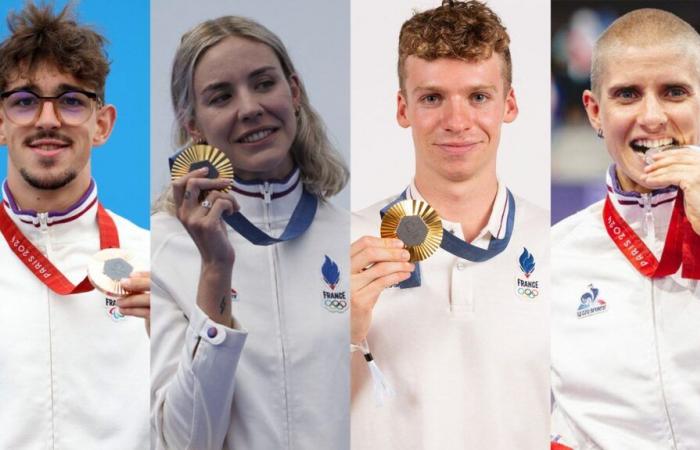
(72, 377)
(467, 356)
(626, 376)
(280, 379)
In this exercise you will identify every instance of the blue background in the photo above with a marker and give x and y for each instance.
(121, 166)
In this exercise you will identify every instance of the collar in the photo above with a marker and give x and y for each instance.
(86, 206)
(647, 214)
(268, 200)
(495, 227)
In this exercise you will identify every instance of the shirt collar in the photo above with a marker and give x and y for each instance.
(271, 201)
(86, 202)
(496, 225)
(630, 199)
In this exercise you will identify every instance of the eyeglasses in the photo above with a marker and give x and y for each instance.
(23, 107)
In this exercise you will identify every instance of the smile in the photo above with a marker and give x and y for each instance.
(256, 136)
(642, 145)
(48, 147)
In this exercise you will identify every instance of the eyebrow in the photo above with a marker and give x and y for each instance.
(62, 88)
(227, 84)
(480, 87)
(614, 88)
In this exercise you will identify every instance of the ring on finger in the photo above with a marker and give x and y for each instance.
(187, 195)
(206, 204)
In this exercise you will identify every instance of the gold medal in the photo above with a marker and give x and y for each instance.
(198, 156)
(417, 225)
(108, 267)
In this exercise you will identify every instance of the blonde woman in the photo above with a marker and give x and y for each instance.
(250, 329)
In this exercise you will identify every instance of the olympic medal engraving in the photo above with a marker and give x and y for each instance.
(108, 267)
(198, 156)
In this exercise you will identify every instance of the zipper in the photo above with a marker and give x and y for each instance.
(43, 220)
(266, 190)
(658, 361)
(649, 230)
(44, 227)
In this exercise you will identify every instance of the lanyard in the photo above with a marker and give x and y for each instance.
(682, 245)
(40, 266)
(461, 248)
(300, 221)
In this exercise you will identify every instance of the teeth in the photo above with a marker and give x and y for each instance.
(258, 135)
(651, 143)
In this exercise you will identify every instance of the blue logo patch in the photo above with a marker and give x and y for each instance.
(333, 301)
(527, 288)
(591, 304)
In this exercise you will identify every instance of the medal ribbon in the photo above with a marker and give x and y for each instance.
(300, 221)
(681, 247)
(40, 266)
(460, 248)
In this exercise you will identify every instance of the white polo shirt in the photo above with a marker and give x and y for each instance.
(626, 367)
(467, 355)
(73, 371)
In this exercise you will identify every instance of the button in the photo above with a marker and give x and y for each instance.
(461, 265)
(215, 334)
(212, 332)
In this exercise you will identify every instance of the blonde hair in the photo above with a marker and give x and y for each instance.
(323, 172)
(642, 27)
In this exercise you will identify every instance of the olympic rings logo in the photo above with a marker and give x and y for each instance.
(530, 293)
(335, 305)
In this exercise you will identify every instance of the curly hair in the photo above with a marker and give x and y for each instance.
(40, 36)
(323, 172)
(469, 31)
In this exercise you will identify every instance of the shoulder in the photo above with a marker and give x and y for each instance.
(168, 232)
(579, 228)
(531, 214)
(366, 221)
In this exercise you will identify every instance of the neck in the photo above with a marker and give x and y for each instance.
(467, 202)
(29, 197)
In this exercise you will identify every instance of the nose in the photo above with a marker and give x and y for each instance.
(457, 115)
(48, 116)
(249, 107)
(652, 115)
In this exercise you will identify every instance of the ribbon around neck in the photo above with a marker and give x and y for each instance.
(460, 248)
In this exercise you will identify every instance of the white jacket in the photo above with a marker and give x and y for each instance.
(466, 353)
(73, 372)
(280, 379)
(626, 373)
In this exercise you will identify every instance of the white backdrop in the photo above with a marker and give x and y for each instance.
(382, 152)
(316, 34)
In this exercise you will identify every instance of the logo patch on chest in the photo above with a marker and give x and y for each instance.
(333, 300)
(113, 310)
(526, 286)
(590, 304)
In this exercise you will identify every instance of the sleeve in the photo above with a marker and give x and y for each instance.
(193, 362)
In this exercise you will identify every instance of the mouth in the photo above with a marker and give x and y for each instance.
(643, 145)
(48, 147)
(257, 135)
(457, 147)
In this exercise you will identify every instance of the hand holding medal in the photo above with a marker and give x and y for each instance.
(678, 166)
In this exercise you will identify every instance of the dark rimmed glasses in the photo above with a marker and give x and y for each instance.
(23, 107)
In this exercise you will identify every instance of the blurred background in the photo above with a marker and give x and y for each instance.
(579, 158)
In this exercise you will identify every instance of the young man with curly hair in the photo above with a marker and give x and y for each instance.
(74, 367)
(461, 337)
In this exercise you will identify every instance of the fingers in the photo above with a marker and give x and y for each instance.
(143, 313)
(379, 271)
(187, 189)
(137, 282)
(135, 301)
(684, 156)
(371, 250)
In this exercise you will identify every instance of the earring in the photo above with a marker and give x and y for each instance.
(599, 133)
(199, 141)
(297, 110)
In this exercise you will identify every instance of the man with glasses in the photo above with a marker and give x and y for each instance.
(74, 365)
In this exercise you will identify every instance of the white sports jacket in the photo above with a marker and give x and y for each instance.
(280, 379)
(625, 348)
(73, 370)
(467, 352)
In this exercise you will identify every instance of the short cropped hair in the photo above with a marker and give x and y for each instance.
(40, 36)
(469, 31)
(642, 28)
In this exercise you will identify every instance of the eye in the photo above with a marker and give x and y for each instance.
(219, 99)
(73, 100)
(480, 97)
(264, 85)
(626, 94)
(22, 99)
(676, 92)
(430, 99)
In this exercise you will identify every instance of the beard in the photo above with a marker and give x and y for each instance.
(46, 182)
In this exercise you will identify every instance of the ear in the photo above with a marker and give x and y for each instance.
(193, 131)
(511, 110)
(295, 87)
(106, 116)
(592, 109)
(401, 110)
(3, 139)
